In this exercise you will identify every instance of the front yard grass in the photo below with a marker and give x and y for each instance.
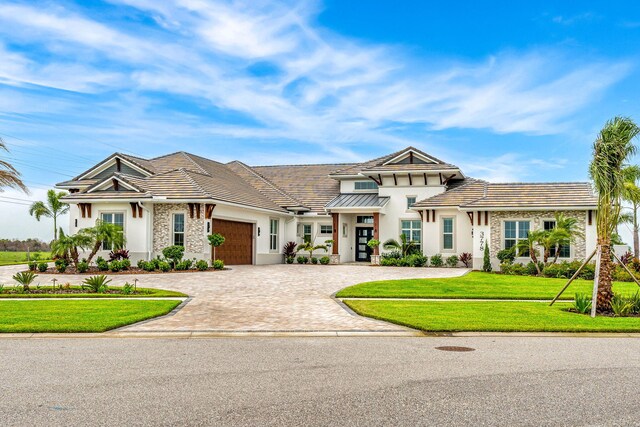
(477, 285)
(78, 316)
(142, 293)
(14, 258)
(490, 316)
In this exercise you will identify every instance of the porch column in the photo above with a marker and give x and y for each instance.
(376, 231)
(336, 225)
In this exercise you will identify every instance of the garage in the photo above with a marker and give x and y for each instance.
(238, 244)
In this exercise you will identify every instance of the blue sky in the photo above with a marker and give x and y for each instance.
(508, 91)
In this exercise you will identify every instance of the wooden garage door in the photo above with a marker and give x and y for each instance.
(237, 248)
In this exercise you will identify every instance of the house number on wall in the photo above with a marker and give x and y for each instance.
(481, 241)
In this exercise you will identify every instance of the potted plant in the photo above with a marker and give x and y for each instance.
(375, 257)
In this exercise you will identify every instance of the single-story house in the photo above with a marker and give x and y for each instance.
(180, 198)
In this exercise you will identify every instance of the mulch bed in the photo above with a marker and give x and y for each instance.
(64, 291)
(132, 270)
(601, 313)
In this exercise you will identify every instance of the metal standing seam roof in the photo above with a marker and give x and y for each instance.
(350, 200)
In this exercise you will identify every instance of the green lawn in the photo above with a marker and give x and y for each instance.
(146, 292)
(445, 316)
(12, 258)
(78, 316)
(476, 285)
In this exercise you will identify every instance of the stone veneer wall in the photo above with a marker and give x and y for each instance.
(162, 227)
(578, 250)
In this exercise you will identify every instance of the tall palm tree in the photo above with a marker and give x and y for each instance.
(104, 232)
(52, 208)
(9, 176)
(611, 150)
(631, 194)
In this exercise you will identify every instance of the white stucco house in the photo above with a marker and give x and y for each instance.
(180, 198)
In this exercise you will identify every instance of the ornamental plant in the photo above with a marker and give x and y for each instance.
(215, 239)
(486, 265)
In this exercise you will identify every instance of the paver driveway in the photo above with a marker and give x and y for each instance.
(264, 298)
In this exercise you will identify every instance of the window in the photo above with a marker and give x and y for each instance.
(345, 228)
(364, 219)
(326, 229)
(306, 233)
(515, 231)
(411, 200)
(365, 185)
(112, 218)
(565, 250)
(412, 229)
(447, 233)
(273, 234)
(178, 229)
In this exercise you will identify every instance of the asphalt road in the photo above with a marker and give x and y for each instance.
(319, 381)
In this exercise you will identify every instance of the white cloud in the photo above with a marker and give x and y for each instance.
(510, 167)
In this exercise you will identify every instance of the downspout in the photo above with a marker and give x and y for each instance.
(149, 236)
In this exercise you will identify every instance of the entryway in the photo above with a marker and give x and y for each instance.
(363, 251)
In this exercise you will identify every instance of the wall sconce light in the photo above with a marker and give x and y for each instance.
(258, 231)
(76, 222)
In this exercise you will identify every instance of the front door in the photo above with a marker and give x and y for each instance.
(363, 251)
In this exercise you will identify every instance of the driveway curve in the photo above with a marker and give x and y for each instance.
(262, 298)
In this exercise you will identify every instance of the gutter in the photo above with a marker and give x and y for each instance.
(149, 232)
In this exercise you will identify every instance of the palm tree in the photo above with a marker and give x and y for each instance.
(631, 194)
(565, 232)
(310, 247)
(67, 246)
(612, 148)
(103, 232)
(52, 208)
(529, 245)
(9, 176)
(405, 246)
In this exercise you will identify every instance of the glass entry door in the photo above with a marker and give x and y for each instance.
(363, 235)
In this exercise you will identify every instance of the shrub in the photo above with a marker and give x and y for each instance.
(486, 264)
(162, 266)
(452, 261)
(127, 289)
(140, 264)
(518, 269)
(391, 255)
(626, 257)
(118, 255)
(156, 262)
(25, 278)
(96, 283)
(125, 263)
(505, 268)
(325, 260)
(83, 267)
(436, 261)
(388, 262)
(506, 256)
(42, 267)
(635, 303)
(218, 264)
(582, 303)
(466, 258)
(404, 262)
(290, 259)
(202, 265)
(302, 259)
(314, 260)
(173, 253)
(531, 268)
(417, 260)
(588, 272)
(373, 243)
(289, 250)
(33, 265)
(634, 264)
(621, 306)
(553, 270)
(183, 265)
(115, 266)
(61, 265)
(102, 264)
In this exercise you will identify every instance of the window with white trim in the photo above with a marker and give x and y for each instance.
(447, 233)
(412, 229)
(365, 185)
(565, 250)
(115, 218)
(326, 229)
(411, 200)
(178, 227)
(514, 231)
(306, 233)
(273, 234)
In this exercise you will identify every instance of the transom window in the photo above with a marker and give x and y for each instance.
(514, 231)
(447, 233)
(178, 229)
(412, 229)
(115, 219)
(411, 200)
(565, 250)
(364, 219)
(326, 229)
(273, 234)
(365, 185)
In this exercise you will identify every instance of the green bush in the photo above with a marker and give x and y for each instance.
(202, 265)
(102, 264)
(506, 256)
(621, 306)
(183, 265)
(505, 268)
(582, 303)
(96, 283)
(588, 272)
(61, 265)
(452, 261)
(388, 262)
(436, 261)
(162, 266)
(42, 267)
(531, 268)
(325, 260)
(391, 255)
(83, 267)
(416, 260)
(127, 289)
(404, 262)
(33, 265)
(314, 260)
(218, 264)
(151, 266)
(518, 269)
(115, 266)
(25, 278)
(289, 260)
(554, 270)
(140, 264)
(125, 263)
(302, 259)
(173, 253)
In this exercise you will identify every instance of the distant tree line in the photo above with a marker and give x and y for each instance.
(15, 245)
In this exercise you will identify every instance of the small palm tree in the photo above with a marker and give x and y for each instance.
(52, 208)
(631, 194)
(405, 246)
(310, 247)
(611, 150)
(528, 246)
(9, 176)
(565, 232)
(67, 246)
(103, 232)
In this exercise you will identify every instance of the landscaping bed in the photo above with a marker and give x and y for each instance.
(79, 292)
(131, 270)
